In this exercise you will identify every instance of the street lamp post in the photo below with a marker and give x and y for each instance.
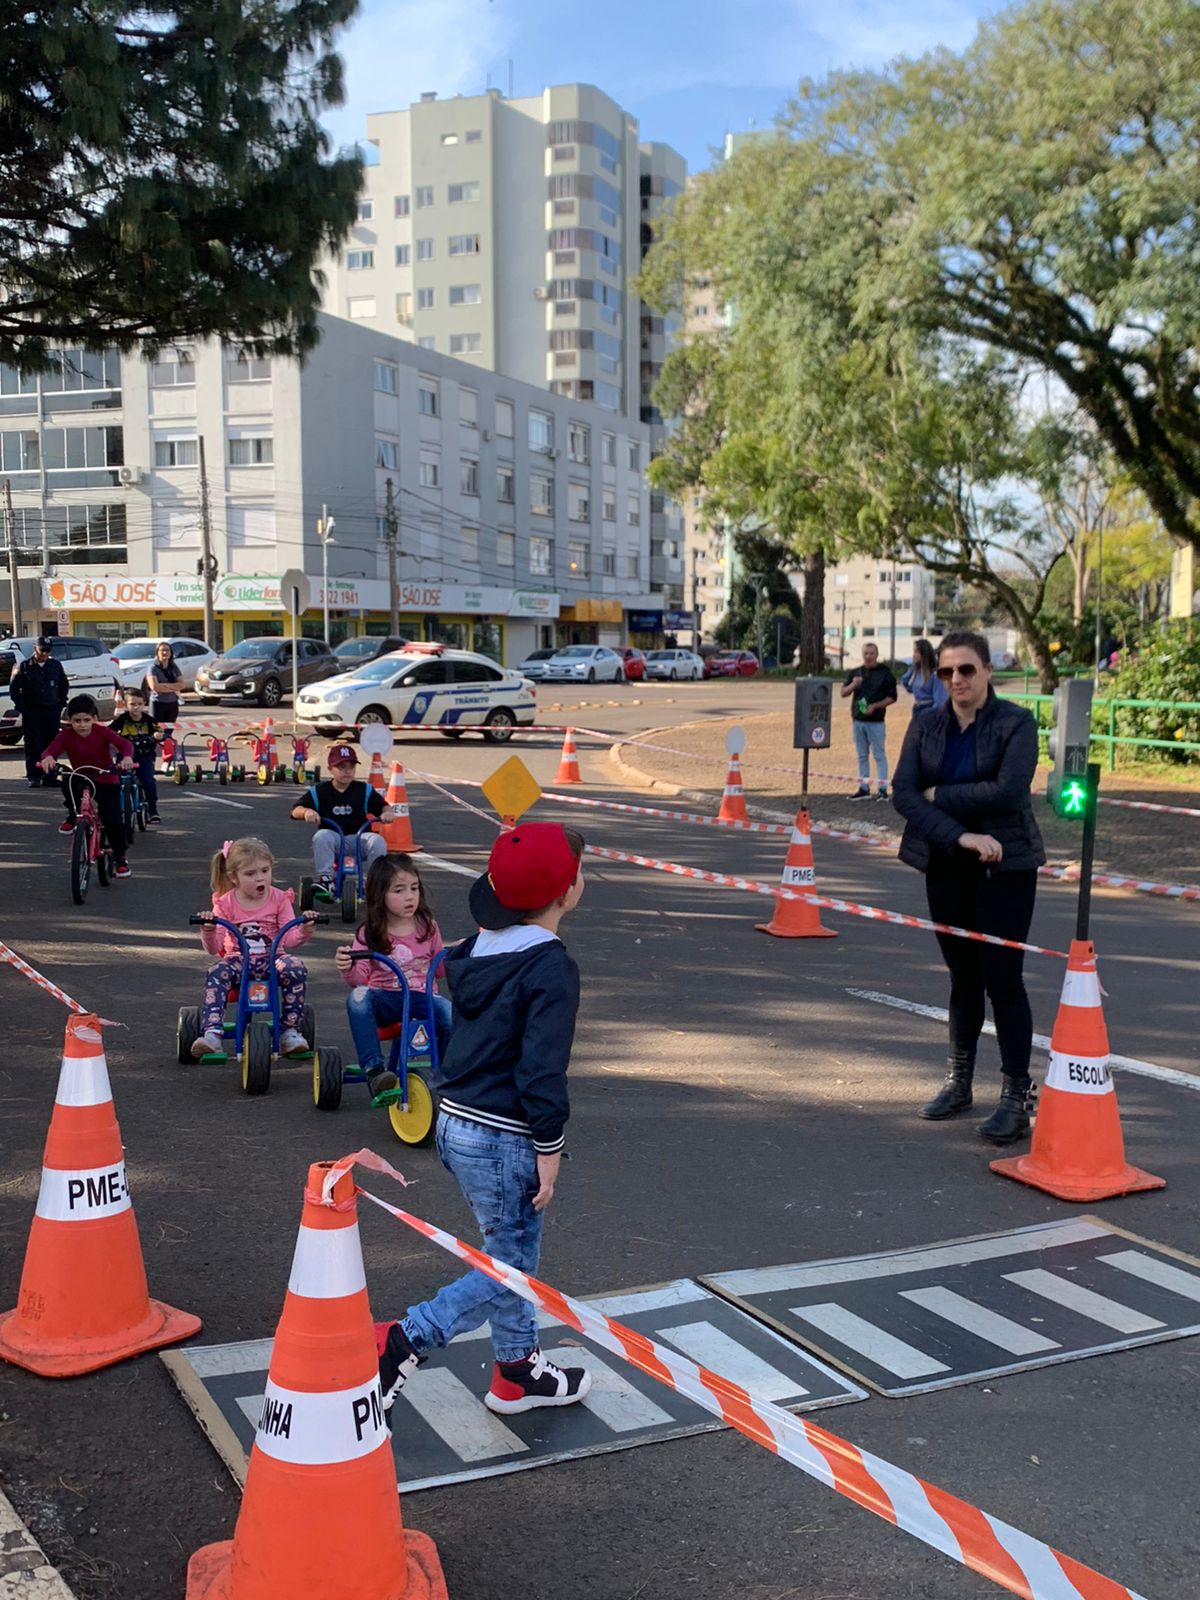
(325, 529)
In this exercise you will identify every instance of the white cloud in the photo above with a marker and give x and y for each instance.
(395, 50)
(872, 32)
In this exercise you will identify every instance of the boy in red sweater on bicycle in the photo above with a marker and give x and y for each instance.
(91, 749)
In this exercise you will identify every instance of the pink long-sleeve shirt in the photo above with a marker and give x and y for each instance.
(411, 954)
(259, 924)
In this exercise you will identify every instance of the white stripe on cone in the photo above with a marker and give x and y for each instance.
(84, 1194)
(83, 1082)
(328, 1263)
(800, 838)
(1078, 1074)
(1081, 988)
(319, 1430)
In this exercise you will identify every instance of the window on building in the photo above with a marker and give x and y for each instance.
(468, 407)
(403, 205)
(76, 458)
(468, 540)
(608, 449)
(427, 342)
(610, 563)
(633, 510)
(541, 495)
(466, 344)
(366, 210)
(424, 249)
(449, 138)
(429, 474)
(385, 454)
(427, 400)
(506, 485)
(466, 294)
(404, 309)
(387, 378)
(424, 196)
(80, 534)
(251, 526)
(577, 558)
(635, 455)
(78, 371)
(579, 507)
(174, 369)
(359, 260)
(178, 451)
(633, 563)
(461, 193)
(403, 255)
(468, 476)
(463, 244)
(474, 135)
(506, 550)
(251, 450)
(361, 308)
(541, 432)
(504, 419)
(608, 506)
(541, 557)
(426, 299)
(579, 443)
(242, 367)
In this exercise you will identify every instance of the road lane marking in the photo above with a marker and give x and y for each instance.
(447, 866)
(715, 1350)
(984, 1324)
(1097, 1307)
(218, 800)
(1143, 1069)
(1156, 1272)
(879, 1346)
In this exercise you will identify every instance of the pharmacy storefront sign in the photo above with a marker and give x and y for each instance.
(106, 592)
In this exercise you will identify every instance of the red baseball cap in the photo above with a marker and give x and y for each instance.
(529, 867)
(340, 755)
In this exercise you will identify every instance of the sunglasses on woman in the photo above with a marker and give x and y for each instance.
(967, 671)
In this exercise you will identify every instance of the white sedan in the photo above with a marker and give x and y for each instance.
(673, 664)
(586, 663)
(133, 658)
(424, 686)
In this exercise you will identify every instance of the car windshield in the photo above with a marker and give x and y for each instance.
(254, 649)
(135, 650)
(384, 667)
(539, 655)
(575, 652)
(661, 655)
(354, 649)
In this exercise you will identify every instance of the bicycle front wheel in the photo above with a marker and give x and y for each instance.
(81, 864)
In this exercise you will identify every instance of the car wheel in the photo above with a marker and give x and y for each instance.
(210, 699)
(672, 675)
(271, 693)
(591, 677)
(10, 739)
(374, 714)
(451, 733)
(620, 676)
(498, 726)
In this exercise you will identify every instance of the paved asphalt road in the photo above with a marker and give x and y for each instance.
(733, 1106)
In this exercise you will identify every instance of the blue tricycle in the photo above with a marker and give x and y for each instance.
(349, 882)
(412, 1107)
(257, 1001)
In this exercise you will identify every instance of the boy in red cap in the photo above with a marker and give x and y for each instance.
(347, 801)
(503, 1111)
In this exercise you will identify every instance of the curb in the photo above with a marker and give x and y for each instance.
(25, 1573)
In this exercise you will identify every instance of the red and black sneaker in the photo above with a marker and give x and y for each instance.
(526, 1385)
(398, 1360)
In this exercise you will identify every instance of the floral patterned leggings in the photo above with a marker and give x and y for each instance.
(293, 979)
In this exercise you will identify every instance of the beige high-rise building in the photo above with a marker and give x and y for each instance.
(506, 233)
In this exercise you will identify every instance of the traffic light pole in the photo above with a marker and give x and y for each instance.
(1083, 909)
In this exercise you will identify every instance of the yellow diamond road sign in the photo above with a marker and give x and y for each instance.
(512, 789)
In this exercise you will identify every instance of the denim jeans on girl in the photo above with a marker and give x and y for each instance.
(497, 1173)
(372, 1009)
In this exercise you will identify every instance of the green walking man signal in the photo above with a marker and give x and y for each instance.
(1070, 789)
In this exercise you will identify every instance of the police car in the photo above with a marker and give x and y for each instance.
(423, 686)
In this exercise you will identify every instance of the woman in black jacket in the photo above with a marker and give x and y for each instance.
(962, 786)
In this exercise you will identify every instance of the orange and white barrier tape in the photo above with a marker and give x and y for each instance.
(1014, 1560)
(10, 956)
(1149, 805)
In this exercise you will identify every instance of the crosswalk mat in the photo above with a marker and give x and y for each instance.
(906, 1321)
(443, 1433)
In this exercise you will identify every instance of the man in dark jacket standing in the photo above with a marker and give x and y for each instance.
(874, 689)
(39, 692)
(962, 785)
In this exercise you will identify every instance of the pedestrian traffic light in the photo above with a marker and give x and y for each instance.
(814, 713)
(1069, 789)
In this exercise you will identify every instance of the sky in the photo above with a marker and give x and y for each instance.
(690, 72)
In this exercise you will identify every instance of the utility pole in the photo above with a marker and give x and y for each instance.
(207, 563)
(695, 611)
(14, 582)
(393, 528)
(325, 529)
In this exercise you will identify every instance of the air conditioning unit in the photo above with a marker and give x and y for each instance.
(554, 454)
(130, 477)
(541, 293)
(487, 436)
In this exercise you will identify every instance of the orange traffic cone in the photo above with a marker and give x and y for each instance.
(83, 1301)
(797, 919)
(1078, 1152)
(320, 1513)
(118, 701)
(568, 765)
(398, 834)
(733, 801)
(377, 779)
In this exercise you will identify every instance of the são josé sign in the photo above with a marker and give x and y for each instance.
(259, 593)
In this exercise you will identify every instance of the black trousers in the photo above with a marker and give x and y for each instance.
(965, 894)
(39, 724)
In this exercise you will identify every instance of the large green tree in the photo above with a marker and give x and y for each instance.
(164, 174)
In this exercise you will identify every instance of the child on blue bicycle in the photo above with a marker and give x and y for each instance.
(400, 924)
(92, 749)
(244, 894)
(348, 802)
(137, 725)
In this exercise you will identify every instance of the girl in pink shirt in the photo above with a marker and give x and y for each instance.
(244, 894)
(399, 924)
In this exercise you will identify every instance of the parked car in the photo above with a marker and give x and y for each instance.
(589, 663)
(357, 652)
(261, 670)
(534, 664)
(424, 686)
(731, 664)
(135, 655)
(89, 664)
(674, 664)
(634, 664)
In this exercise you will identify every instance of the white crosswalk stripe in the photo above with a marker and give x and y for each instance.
(990, 1325)
(719, 1353)
(459, 1417)
(615, 1402)
(877, 1344)
(1151, 1270)
(1098, 1307)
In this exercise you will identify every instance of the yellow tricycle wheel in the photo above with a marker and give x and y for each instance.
(414, 1126)
(264, 773)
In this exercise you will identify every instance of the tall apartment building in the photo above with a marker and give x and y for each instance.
(521, 517)
(506, 233)
(871, 598)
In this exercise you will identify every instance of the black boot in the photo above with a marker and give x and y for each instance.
(954, 1095)
(1010, 1120)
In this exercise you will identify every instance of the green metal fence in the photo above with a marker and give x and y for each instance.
(1104, 721)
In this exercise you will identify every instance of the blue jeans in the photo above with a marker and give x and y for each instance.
(497, 1173)
(870, 739)
(149, 783)
(325, 851)
(371, 1009)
